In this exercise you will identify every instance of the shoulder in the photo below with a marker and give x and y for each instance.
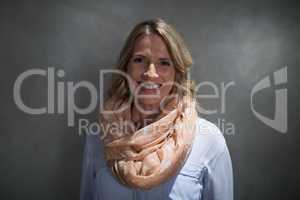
(209, 143)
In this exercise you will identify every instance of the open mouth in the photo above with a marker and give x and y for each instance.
(149, 85)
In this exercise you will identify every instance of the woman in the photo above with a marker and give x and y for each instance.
(153, 144)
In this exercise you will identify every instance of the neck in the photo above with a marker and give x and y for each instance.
(144, 114)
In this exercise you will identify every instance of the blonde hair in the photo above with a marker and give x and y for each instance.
(180, 55)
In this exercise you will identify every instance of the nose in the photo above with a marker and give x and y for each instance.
(151, 72)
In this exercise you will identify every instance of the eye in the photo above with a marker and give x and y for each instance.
(165, 63)
(137, 60)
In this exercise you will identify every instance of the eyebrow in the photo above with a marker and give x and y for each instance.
(163, 58)
(140, 55)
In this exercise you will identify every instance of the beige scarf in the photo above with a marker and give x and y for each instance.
(146, 157)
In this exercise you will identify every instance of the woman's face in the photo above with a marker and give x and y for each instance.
(151, 70)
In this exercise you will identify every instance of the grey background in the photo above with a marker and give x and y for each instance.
(240, 41)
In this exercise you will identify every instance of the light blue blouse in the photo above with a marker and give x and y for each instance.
(206, 174)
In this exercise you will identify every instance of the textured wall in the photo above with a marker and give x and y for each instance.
(235, 44)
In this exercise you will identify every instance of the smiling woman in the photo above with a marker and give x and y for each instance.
(151, 67)
(164, 150)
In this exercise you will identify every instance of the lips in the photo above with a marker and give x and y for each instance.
(149, 85)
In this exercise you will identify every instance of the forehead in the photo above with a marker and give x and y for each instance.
(151, 44)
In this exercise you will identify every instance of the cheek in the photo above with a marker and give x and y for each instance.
(134, 75)
(135, 72)
(169, 79)
(169, 75)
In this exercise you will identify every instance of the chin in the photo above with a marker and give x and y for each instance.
(149, 101)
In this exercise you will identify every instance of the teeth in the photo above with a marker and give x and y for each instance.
(151, 85)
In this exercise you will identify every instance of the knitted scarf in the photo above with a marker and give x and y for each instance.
(146, 157)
